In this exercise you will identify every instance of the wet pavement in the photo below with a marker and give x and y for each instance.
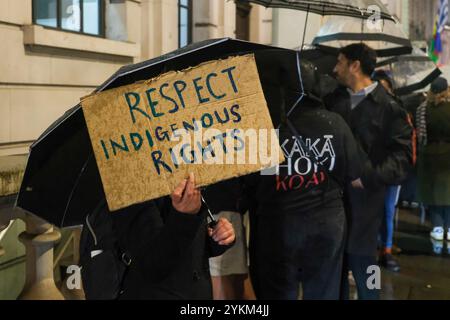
(425, 266)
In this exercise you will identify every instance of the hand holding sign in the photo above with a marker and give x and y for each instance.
(186, 197)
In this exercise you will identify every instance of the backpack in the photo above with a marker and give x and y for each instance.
(103, 263)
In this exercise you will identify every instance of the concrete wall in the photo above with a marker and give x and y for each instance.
(289, 27)
(44, 72)
(159, 28)
(261, 24)
(217, 19)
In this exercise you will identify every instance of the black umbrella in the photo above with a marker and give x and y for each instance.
(322, 58)
(62, 183)
(362, 9)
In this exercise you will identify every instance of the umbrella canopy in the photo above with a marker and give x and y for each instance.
(325, 63)
(323, 59)
(411, 72)
(387, 39)
(351, 8)
(62, 184)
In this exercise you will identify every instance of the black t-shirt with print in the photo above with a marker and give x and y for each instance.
(302, 183)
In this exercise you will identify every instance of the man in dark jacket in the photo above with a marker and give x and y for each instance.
(383, 135)
(170, 243)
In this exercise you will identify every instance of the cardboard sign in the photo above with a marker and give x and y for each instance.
(149, 135)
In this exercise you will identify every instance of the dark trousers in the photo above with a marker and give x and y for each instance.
(304, 247)
(408, 190)
(440, 216)
(359, 265)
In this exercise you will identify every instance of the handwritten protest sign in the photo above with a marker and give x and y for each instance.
(149, 135)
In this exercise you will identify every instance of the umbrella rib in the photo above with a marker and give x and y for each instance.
(73, 189)
(103, 86)
(299, 73)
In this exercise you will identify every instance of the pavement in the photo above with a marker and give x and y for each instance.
(425, 270)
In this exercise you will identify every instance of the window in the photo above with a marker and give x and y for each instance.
(184, 22)
(84, 16)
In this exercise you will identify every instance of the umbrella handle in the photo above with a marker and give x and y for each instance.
(210, 215)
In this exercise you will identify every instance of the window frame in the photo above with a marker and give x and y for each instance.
(101, 17)
(189, 22)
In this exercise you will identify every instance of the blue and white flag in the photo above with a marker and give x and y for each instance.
(442, 15)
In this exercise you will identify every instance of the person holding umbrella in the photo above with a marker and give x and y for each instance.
(383, 134)
(166, 243)
(433, 120)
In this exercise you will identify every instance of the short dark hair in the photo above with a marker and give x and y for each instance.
(361, 52)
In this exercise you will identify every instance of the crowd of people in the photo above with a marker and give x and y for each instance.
(328, 211)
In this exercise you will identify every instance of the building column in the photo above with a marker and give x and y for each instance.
(39, 239)
(405, 17)
(159, 27)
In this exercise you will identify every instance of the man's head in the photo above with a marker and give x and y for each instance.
(439, 85)
(439, 91)
(356, 61)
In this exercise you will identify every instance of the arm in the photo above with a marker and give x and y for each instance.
(393, 168)
(353, 169)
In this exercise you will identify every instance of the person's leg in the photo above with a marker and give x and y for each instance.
(322, 253)
(252, 245)
(437, 217)
(345, 285)
(359, 265)
(387, 230)
(389, 215)
(446, 216)
(408, 189)
(229, 287)
(446, 213)
(277, 271)
(229, 270)
(222, 288)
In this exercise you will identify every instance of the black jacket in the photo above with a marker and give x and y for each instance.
(383, 134)
(298, 186)
(169, 249)
(384, 138)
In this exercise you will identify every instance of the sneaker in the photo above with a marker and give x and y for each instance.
(388, 261)
(405, 204)
(437, 233)
(414, 205)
